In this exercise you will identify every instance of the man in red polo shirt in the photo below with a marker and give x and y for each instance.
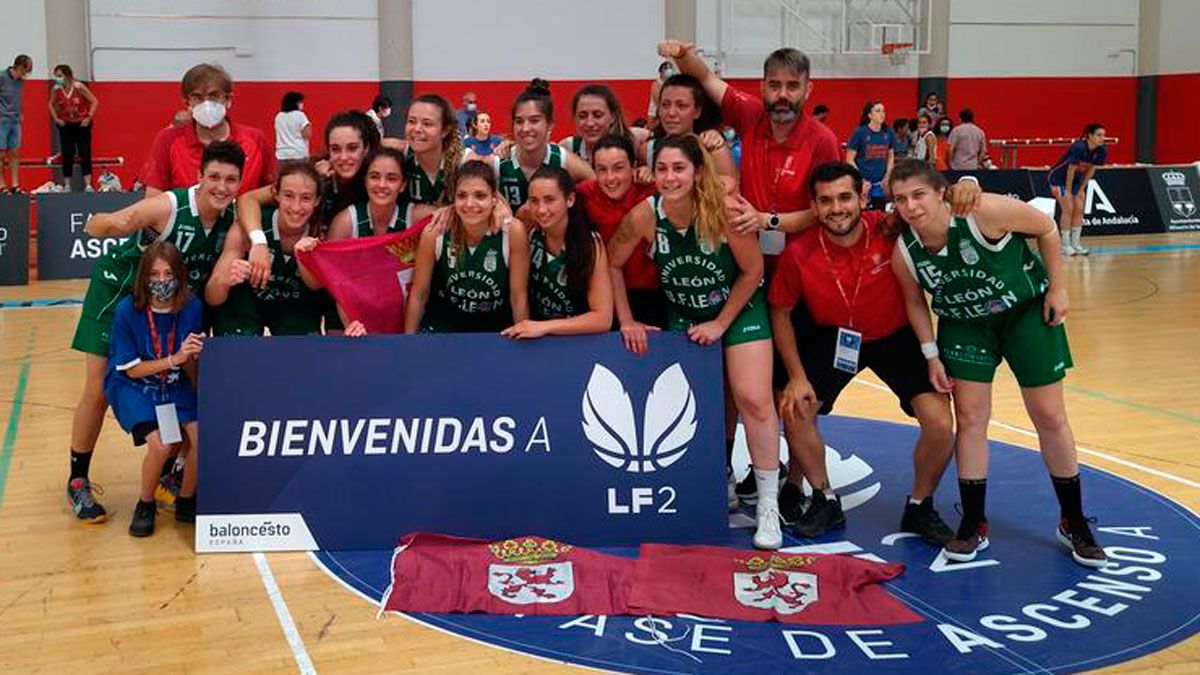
(852, 317)
(174, 160)
(780, 145)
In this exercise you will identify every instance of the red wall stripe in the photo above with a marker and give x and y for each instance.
(1176, 138)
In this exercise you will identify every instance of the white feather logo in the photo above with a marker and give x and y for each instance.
(668, 425)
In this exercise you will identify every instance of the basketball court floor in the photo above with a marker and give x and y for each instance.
(77, 598)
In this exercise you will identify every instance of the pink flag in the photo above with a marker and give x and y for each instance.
(370, 276)
(523, 575)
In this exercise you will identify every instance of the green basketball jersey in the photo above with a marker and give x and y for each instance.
(514, 185)
(360, 217)
(577, 145)
(285, 284)
(650, 152)
(419, 187)
(972, 278)
(550, 296)
(470, 290)
(695, 277)
(199, 246)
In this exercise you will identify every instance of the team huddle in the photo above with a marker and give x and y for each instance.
(775, 258)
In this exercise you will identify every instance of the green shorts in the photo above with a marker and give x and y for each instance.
(245, 314)
(1037, 354)
(104, 292)
(750, 325)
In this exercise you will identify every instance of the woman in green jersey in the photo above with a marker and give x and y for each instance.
(712, 278)
(468, 278)
(532, 120)
(684, 108)
(597, 113)
(996, 299)
(434, 149)
(286, 305)
(569, 289)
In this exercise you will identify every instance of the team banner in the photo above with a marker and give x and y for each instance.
(65, 251)
(1116, 201)
(1176, 188)
(14, 240)
(369, 277)
(337, 443)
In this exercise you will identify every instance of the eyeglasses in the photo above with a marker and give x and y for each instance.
(214, 96)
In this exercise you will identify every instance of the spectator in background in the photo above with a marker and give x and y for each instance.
(174, 160)
(924, 141)
(821, 112)
(872, 148)
(381, 107)
(72, 107)
(466, 114)
(903, 147)
(12, 85)
(932, 107)
(941, 157)
(481, 141)
(968, 144)
(292, 128)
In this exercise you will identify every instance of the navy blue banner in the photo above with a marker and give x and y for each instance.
(65, 251)
(14, 240)
(336, 443)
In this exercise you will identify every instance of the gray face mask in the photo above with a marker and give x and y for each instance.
(163, 290)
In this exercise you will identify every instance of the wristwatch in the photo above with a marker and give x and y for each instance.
(773, 221)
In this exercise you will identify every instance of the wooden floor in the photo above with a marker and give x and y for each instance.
(96, 600)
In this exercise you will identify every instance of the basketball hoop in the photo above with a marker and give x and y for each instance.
(897, 52)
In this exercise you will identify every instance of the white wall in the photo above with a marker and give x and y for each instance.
(1179, 37)
(23, 31)
(990, 38)
(456, 40)
(300, 40)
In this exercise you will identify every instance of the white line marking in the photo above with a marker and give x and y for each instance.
(303, 662)
(1087, 451)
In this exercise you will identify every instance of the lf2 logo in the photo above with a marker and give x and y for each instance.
(668, 421)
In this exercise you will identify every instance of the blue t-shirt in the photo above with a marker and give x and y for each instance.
(872, 153)
(482, 148)
(131, 344)
(10, 95)
(1083, 159)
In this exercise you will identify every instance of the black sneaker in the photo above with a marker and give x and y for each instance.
(142, 524)
(1078, 537)
(747, 490)
(967, 542)
(923, 520)
(86, 508)
(791, 503)
(185, 509)
(823, 514)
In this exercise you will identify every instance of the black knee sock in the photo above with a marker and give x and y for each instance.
(80, 463)
(973, 494)
(729, 452)
(168, 466)
(1070, 497)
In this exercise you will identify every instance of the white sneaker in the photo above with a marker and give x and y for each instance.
(731, 498)
(769, 534)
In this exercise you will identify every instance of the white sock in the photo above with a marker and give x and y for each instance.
(1066, 239)
(914, 501)
(767, 481)
(1076, 237)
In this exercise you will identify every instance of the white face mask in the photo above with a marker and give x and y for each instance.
(208, 114)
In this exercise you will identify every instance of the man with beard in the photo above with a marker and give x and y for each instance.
(852, 317)
(780, 145)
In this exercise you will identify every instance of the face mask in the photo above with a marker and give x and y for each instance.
(59, 80)
(729, 135)
(471, 107)
(162, 290)
(208, 114)
(945, 129)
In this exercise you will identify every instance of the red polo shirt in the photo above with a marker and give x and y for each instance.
(805, 273)
(606, 215)
(775, 175)
(174, 160)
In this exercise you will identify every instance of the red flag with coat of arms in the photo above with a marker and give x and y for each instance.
(727, 583)
(523, 575)
(369, 277)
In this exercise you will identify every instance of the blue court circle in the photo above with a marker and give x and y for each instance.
(1022, 607)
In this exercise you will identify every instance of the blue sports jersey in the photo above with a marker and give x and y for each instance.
(133, 399)
(482, 148)
(1083, 159)
(872, 152)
